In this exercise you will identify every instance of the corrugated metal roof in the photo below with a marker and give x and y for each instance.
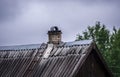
(82, 42)
(61, 62)
(18, 47)
(34, 46)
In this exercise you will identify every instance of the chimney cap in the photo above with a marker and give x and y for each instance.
(54, 28)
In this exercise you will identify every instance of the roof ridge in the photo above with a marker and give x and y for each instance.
(17, 47)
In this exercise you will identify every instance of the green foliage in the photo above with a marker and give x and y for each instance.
(115, 52)
(108, 43)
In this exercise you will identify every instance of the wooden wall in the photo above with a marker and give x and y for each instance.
(92, 68)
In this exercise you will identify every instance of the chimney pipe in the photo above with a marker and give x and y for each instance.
(54, 35)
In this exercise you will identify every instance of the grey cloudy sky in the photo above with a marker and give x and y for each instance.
(27, 21)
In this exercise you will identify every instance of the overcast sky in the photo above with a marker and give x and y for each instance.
(27, 21)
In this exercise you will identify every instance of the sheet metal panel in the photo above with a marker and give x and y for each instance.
(62, 61)
(83, 42)
(19, 47)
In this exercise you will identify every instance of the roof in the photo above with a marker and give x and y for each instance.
(83, 42)
(35, 46)
(43, 60)
(19, 47)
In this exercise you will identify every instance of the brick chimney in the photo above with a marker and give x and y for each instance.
(54, 35)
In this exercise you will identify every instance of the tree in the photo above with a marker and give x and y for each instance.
(115, 52)
(108, 43)
(99, 34)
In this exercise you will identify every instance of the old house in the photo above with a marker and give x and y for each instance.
(53, 59)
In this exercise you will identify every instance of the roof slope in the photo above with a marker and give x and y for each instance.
(44, 60)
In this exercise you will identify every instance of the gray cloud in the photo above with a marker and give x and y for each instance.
(23, 22)
(8, 9)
